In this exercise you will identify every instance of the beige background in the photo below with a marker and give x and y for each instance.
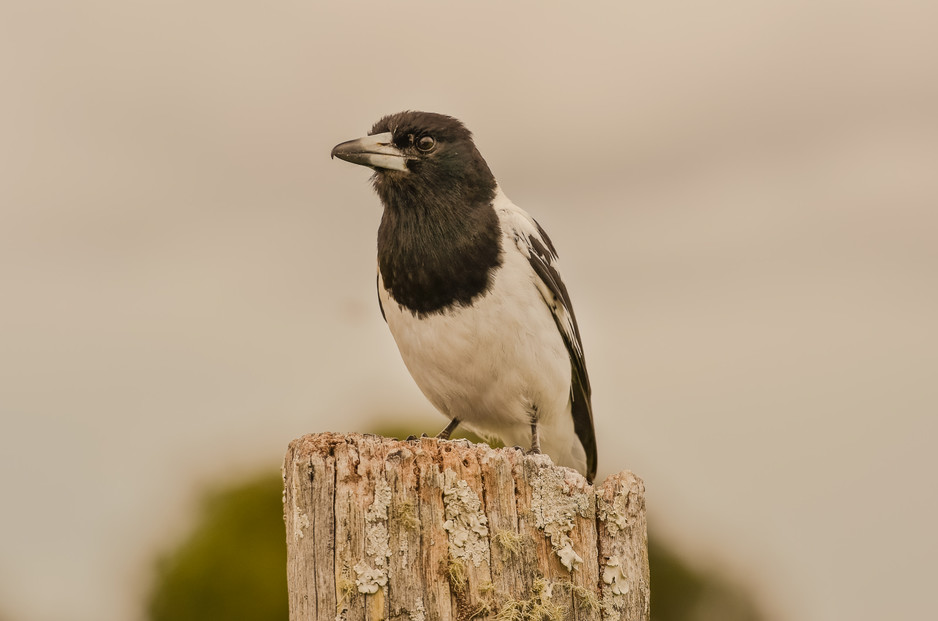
(744, 194)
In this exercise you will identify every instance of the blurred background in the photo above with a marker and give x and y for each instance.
(744, 195)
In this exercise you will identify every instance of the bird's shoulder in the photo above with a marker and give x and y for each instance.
(519, 226)
(523, 233)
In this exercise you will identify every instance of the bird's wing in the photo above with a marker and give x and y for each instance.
(534, 243)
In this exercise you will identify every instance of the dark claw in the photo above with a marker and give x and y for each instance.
(411, 438)
(423, 435)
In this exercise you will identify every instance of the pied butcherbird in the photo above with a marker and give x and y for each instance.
(469, 286)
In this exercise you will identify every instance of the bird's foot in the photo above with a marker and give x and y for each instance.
(411, 438)
(535, 439)
(444, 435)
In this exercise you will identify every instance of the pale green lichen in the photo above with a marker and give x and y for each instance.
(300, 523)
(556, 504)
(615, 512)
(568, 556)
(618, 516)
(466, 525)
(373, 576)
(370, 579)
(419, 613)
(376, 523)
(614, 599)
(614, 576)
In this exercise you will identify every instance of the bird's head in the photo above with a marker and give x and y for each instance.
(422, 158)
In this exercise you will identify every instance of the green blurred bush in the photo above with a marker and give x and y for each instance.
(681, 593)
(232, 566)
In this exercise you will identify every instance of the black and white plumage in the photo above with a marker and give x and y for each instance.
(469, 287)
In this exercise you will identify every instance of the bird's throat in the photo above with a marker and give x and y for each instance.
(434, 257)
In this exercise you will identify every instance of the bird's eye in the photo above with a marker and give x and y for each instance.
(426, 143)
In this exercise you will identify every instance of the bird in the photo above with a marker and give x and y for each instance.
(468, 284)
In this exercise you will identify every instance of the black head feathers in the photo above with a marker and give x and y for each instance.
(444, 167)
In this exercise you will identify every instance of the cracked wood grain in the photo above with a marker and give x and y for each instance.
(429, 530)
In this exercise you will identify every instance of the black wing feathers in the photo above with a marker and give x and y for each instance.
(542, 257)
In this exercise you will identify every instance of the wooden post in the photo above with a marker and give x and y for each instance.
(436, 530)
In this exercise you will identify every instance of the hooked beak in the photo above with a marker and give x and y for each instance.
(377, 151)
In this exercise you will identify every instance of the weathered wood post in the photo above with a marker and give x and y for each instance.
(432, 530)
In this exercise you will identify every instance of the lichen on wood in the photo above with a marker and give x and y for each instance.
(432, 529)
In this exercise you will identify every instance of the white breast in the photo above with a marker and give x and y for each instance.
(496, 363)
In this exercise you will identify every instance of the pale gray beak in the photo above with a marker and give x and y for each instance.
(377, 151)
